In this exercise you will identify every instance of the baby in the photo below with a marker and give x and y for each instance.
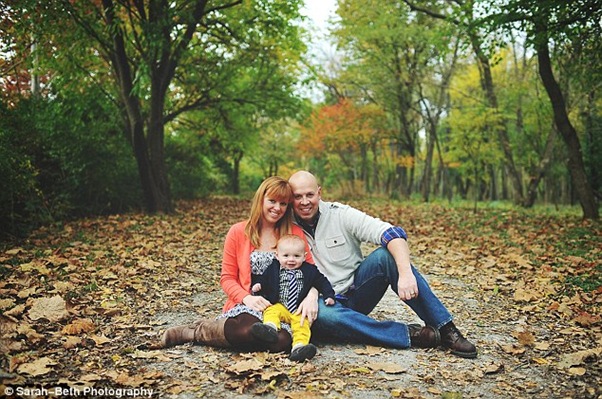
(285, 283)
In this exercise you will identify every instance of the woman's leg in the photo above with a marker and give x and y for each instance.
(203, 331)
(238, 333)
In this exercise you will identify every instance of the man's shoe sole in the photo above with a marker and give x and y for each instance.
(465, 355)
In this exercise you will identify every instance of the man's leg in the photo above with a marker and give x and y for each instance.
(340, 322)
(377, 273)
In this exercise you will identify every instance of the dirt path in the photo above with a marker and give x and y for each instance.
(359, 371)
(83, 302)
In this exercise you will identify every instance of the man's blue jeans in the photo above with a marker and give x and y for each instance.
(348, 320)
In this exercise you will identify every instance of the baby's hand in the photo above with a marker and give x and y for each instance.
(329, 301)
(256, 287)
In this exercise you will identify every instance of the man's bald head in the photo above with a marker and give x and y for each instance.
(303, 177)
(306, 193)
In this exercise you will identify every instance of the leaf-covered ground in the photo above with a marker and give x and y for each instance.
(84, 302)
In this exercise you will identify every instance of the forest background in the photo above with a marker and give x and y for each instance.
(133, 132)
(109, 106)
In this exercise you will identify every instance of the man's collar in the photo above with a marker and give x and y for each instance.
(309, 228)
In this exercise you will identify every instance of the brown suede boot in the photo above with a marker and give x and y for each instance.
(207, 332)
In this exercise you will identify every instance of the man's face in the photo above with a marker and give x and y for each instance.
(306, 194)
(290, 254)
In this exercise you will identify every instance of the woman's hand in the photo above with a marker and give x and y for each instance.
(308, 309)
(257, 302)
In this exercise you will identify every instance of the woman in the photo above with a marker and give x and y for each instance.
(249, 249)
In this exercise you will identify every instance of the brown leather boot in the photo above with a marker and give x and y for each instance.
(207, 332)
(453, 339)
(424, 337)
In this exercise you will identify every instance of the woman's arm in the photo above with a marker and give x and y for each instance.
(230, 279)
(236, 270)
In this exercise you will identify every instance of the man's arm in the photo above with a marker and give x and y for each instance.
(407, 288)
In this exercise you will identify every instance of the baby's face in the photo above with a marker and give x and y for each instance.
(290, 254)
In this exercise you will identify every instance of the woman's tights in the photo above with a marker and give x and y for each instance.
(238, 333)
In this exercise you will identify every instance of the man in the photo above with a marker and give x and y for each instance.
(335, 233)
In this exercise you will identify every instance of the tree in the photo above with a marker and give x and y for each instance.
(561, 21)
(461, 14)
(388, 55)
(347, 130)
(153, 53)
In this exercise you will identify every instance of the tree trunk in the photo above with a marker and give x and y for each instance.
(156, 138)
(364, 173)
(502, 133)
(540, 171)
(148, 151)
(375, 167)
(236, 172)
(428, 164)
(569, 135)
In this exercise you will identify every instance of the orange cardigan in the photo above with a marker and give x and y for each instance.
(236, 263)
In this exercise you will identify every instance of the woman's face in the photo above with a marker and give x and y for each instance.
(273, 210)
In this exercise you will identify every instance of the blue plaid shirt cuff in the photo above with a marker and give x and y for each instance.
(391, 234)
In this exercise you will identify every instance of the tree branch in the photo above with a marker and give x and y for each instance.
(431, 13)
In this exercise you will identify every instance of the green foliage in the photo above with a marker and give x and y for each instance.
(62, 158)
(578, 242)
(21, 201)
(588, 281)
(230, 62)
(192, 173)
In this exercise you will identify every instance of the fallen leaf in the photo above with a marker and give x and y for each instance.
(16, 311)
(31, 334)
(79, 326)
(577, 370)
(37, 367)
(130, 380)
(245, 366)
(26, 293)
(390, 368)
(271, 374)
(493, 368)
(369, 350)
(513, 349)
(585, 319)
(53, 309)
(521, 295)
(578, 358)
(72, 342)
(154, 354)
(100, 339)
(35, 265)
(525, 338)
(365, 370)
(6, 303)
(15, 251)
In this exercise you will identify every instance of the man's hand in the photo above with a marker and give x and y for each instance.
(308, 309)
(329, 301)
(407, 288)
(257, 303)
